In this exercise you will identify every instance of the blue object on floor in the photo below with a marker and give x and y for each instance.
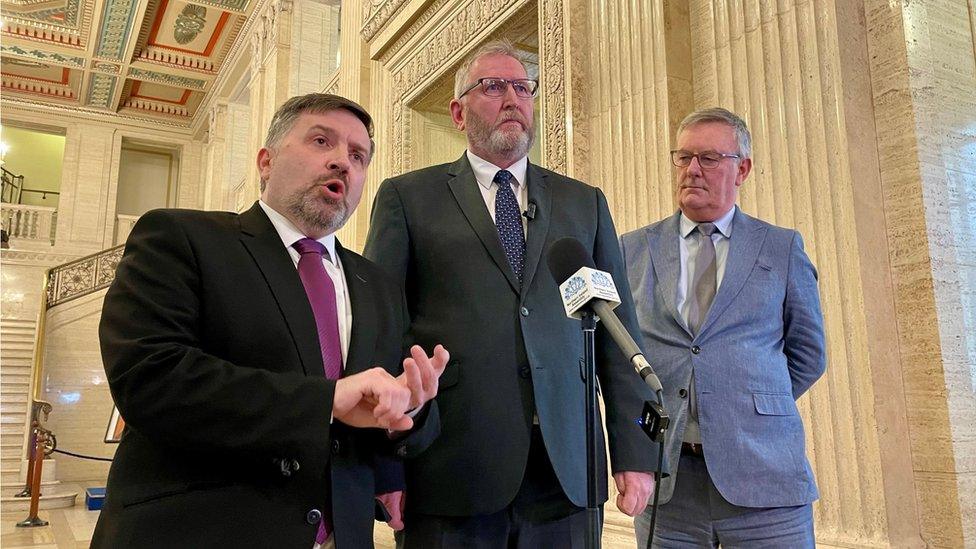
(94, 498)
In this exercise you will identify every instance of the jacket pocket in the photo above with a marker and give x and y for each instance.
(451, 375)
(775, 404)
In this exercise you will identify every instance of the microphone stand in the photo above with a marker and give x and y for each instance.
(592, 452)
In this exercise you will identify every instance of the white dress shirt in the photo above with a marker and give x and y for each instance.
(333, 267)
(484, 173)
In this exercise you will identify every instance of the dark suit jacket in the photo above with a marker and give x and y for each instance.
(213, 359)
(760, 347)
(513, 349)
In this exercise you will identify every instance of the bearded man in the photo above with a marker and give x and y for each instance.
(253, 359)
(467, 241)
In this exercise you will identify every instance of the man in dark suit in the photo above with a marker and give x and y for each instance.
(257, 395)
(509, 467)
(730, 316)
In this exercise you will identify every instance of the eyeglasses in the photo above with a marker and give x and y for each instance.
(707, 160)
(496, 87)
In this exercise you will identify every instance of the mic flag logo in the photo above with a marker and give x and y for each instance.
(584, 286)
(574, 285)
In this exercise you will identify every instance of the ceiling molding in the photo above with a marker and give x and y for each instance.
(158, 61)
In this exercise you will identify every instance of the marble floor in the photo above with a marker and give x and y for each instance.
(71, 528)
(68, 528)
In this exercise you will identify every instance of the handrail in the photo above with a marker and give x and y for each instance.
(82, 276)
(10, 185)
(42, 192)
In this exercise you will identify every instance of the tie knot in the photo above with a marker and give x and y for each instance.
(503, 177)
(706, 228)
(310, 246)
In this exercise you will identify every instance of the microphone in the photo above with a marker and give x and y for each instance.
(586, 287)
(529, 213)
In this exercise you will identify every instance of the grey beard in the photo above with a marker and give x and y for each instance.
(500, 143)
(329, 220)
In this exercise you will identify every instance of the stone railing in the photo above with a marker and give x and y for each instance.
(83, 276)
(123, 226)
(34, 223)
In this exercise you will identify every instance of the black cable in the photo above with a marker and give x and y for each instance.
(657, 483)
(82, 456)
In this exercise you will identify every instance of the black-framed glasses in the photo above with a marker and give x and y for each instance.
(707, 160)
(496, 87)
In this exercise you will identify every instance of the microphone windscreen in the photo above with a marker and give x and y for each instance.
(566, 256)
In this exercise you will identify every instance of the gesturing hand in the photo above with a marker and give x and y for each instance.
(372, 398)
(421, 373)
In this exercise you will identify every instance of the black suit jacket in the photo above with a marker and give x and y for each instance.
(212, 356)
(513, 349)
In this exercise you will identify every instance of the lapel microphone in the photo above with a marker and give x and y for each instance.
(529, 212)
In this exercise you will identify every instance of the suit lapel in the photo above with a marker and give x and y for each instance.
(665, 253)
(263, 243)
(538, 227)
(362, 300)
(744, 245)
(464, 187)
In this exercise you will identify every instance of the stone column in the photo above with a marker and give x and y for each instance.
(86, 209)
(314, 45)
(924, 95)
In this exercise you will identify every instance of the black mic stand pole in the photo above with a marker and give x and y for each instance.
(592, 452)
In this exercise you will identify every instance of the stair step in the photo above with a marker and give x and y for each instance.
(12, 383)
(50, 499)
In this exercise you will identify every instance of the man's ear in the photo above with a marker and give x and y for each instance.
(265, 158)
(745, 167)
(457, 114)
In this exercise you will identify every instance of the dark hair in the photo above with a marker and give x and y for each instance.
(286, 115)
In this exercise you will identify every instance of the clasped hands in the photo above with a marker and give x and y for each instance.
(374, 398)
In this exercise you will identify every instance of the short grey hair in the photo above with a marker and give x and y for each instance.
(495, 47)
(724, 116)
(316, 103)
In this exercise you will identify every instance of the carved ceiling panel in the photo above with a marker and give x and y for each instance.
(155, 60)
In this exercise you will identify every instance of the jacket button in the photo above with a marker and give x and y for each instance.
(696, 349)
(401, 452)
(683, 393)
(524, 312)
(313, 517)
(525, 372)
(336, 447)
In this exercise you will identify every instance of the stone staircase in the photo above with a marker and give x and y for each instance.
(16, 360)
(16, 356)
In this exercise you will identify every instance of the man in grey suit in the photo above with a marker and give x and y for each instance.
(467, 240)
(730, 318)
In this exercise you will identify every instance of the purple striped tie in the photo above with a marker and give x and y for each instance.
(322, 297)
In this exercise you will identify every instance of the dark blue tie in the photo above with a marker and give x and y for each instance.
(508, 221)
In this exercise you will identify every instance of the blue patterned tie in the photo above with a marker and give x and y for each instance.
(508, 221)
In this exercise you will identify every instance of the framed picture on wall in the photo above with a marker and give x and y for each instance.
(115, 426)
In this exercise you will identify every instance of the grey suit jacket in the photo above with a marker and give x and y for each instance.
(760, 347)
(513, 350)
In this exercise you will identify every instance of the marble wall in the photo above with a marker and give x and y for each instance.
(840, 97)
(864, 140)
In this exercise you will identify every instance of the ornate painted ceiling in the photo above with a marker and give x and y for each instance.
(149, 59)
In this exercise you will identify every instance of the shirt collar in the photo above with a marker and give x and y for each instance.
(290, 234)
(722, 224)
(484, 171)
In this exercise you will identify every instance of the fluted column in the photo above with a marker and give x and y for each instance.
(778, 66)
(635, 74)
